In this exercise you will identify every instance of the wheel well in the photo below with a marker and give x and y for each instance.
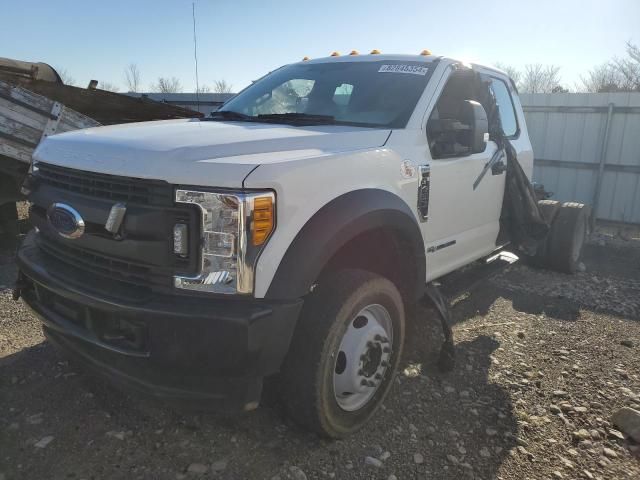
(385, 252)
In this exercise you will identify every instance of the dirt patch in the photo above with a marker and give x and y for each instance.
(540, 356)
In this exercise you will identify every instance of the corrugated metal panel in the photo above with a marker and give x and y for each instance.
(567, 133)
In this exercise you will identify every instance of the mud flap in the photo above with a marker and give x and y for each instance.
(434, 297)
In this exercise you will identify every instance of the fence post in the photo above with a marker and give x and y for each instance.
(603, 158)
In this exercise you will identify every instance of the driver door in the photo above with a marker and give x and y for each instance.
(463, 222)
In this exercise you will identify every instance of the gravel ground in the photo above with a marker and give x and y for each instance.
(544, 360)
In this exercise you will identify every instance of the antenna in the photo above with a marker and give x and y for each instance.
(195, 53)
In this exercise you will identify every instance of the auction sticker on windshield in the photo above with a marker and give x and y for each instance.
(404, 68)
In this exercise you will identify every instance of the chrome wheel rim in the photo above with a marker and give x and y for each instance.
(362, 360)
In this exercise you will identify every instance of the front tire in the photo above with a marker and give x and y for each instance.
(344, 353)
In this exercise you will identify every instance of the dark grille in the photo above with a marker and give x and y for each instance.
(136, 262)
(111, 187)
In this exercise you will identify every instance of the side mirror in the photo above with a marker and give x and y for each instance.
(463, 131)
(479, 125)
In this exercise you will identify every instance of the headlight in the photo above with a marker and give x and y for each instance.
(234, 229)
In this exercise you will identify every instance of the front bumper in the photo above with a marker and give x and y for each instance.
(208, 352)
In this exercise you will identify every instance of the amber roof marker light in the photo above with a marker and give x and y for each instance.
(375, 51)
(425, 52)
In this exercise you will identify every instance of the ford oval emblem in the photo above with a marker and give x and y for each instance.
(65, 220)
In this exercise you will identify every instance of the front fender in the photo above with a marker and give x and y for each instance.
(333, 226)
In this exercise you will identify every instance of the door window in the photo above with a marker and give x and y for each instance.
(506, 109)
(449, 125)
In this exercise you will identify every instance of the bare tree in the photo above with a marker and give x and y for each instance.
(629, 68)
(167, 85)
(132, 77)
(512, 71)
(67, 79)
(203, 89)
(617, 75)
(633, 51)
(110, 87)
(222, 86)
(600, 79)
(538, 78)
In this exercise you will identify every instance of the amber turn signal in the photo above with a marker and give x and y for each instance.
(262, 224)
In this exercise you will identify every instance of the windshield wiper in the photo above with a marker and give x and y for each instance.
(229, 115)
(298, 118)
(290, 118)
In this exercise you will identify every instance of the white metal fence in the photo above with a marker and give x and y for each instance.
(587, 148)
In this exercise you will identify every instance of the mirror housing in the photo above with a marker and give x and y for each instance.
(464, 133)
(479, 124)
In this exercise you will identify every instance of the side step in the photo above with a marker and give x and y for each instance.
(466, 278)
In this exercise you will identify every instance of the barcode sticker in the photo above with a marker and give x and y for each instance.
(404, 68)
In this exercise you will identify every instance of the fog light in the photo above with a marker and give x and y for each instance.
(180, 239)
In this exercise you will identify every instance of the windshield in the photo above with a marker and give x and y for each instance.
(369, 94)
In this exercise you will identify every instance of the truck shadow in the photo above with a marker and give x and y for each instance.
(460, 423)
(468, 422)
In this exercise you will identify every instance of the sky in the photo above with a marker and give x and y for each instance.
(241, 40)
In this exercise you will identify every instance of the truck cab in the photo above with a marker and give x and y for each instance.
(289, 234)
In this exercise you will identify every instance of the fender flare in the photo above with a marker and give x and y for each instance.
(332, 227)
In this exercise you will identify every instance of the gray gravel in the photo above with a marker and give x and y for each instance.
(544, 361)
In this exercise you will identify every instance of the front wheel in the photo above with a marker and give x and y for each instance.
(344, 353)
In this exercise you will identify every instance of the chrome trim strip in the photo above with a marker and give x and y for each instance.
(247, 253)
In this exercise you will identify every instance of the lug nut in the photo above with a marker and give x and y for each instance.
(378, 376)
(364, 383)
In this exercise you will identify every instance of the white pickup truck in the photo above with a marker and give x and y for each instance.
(292, 232)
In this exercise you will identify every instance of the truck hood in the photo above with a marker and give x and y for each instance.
(194, 152)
